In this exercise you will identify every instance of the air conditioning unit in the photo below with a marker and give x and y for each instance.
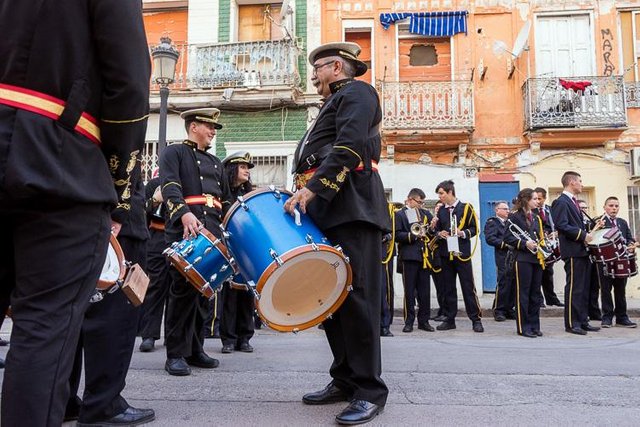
(634, 160)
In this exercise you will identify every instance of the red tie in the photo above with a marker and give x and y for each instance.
(575, 202)
(542, 213)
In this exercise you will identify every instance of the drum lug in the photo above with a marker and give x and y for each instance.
(224, 268)
(207, 250)
(188, 268)
(252, 287)
(349, 288)
(97, 297)
(197, 260)
(295, 330)
(275, 256)
(309, 240)
(242, 203)
(276, 192)
(212, 278)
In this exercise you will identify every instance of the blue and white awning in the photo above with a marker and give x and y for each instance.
(435, 24)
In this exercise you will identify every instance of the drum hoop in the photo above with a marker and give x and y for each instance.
(288, 256)
(246, 198)
(104, 285)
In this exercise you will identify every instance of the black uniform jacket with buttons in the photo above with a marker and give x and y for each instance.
(534, 229)
(93, 55)
(570, 226)
(494, 231)
(189, 171)
(345, 136)
(469, 227)
(623, 226)
(410, 247)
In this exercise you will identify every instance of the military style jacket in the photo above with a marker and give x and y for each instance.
(534, 228)
(571, 228)
(85, 70)
(466, 219)
(188, 171)
(494, 233)
(342, 149)
(410, 247)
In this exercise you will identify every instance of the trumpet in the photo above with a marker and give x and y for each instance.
(544, 251)
(419, 230)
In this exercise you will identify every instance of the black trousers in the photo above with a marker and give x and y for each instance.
(185, 316)
(108, 336)
(211, 327)
(464, 271)
(353, 331)
(54, 253)
(387, 295)
(550, 296)
(156, 300)
(594, 292)
(417, 285)
(236, 325)
(576, 291)
(529, 296)
(616, 305)
(505, 299)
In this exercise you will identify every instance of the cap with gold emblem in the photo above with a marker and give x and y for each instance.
(239, 157)
(346, 50)
(204, 115)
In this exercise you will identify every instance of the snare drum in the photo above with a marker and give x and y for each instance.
(204, 261)
(114, 267)
(299, 277)
(607, 245)
(622, 267)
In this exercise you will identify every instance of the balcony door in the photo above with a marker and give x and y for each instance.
(564, 46)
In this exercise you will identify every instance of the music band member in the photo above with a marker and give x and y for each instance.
(494, 233)
(389, 252)
(236, 324)
(544, 212)
(435, 262)
(618, 305)
(525, 233)
(456, 219)
(414, 256)
(339, 186)
(193, 188)
(573, 237)
(158, 266)
(594, 312)
(73, 109)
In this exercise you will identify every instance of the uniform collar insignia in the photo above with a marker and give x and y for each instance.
(336, 86)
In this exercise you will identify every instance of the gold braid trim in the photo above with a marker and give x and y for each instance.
(469, 208)
(349, 149)
(391, 211)
(541, 242)
(119, 122)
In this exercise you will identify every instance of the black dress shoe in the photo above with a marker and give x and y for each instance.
(177, 366)
(477, 326)
(244, 347)
(330, 394)
(590, 328)
(445, 326)
(537, 333)
(130, 417)
(358, 412)
(606, 323)
(385, 332)
(72, 411)
(626, 323)
(407, 328)
(227, 348)
(528, 334)
(440, 318)
(499, 317)
(558, 304)
(577, 331)
(202, 360)
(147, 345)
(426, 327)
(511, 315)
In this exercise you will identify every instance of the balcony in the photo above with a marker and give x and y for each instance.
(574, 103)
(244, 74)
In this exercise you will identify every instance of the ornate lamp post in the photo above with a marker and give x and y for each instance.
(165, 56)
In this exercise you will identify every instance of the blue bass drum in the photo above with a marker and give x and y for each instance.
(300, 279)
(204, 261)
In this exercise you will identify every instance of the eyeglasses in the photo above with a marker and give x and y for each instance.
(324, 64)
(503, 209)
(417, 200)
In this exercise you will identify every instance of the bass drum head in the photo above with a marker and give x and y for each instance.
(113, 267)
(309, 286)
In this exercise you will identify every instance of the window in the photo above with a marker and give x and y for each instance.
(258, 22)
(362, 36)
(422, 54)
(564, 46)
(630, 40)
(269, 170)
(633, 196)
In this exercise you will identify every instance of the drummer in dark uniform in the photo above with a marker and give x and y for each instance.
(193, 188)
(74, 101)
(336, 171)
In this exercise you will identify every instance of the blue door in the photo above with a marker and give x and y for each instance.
(490, 193)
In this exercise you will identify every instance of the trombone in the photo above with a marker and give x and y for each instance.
(543, 250)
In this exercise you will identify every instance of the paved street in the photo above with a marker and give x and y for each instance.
(449, 378)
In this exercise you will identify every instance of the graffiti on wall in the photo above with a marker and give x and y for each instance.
(607, 49)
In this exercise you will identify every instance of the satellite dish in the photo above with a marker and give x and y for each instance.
(285, 9)
(521, 41)
(499, 48)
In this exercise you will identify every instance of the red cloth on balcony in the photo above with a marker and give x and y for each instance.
(576, 86)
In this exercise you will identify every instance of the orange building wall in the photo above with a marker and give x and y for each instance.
(172, 24)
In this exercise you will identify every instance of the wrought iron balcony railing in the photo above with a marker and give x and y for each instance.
(632, 94)
(244, 64)
(427, 105)
(574, 102)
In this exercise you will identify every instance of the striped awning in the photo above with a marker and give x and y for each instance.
(435, 24)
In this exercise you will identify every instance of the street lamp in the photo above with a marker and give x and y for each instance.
(165, 56)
